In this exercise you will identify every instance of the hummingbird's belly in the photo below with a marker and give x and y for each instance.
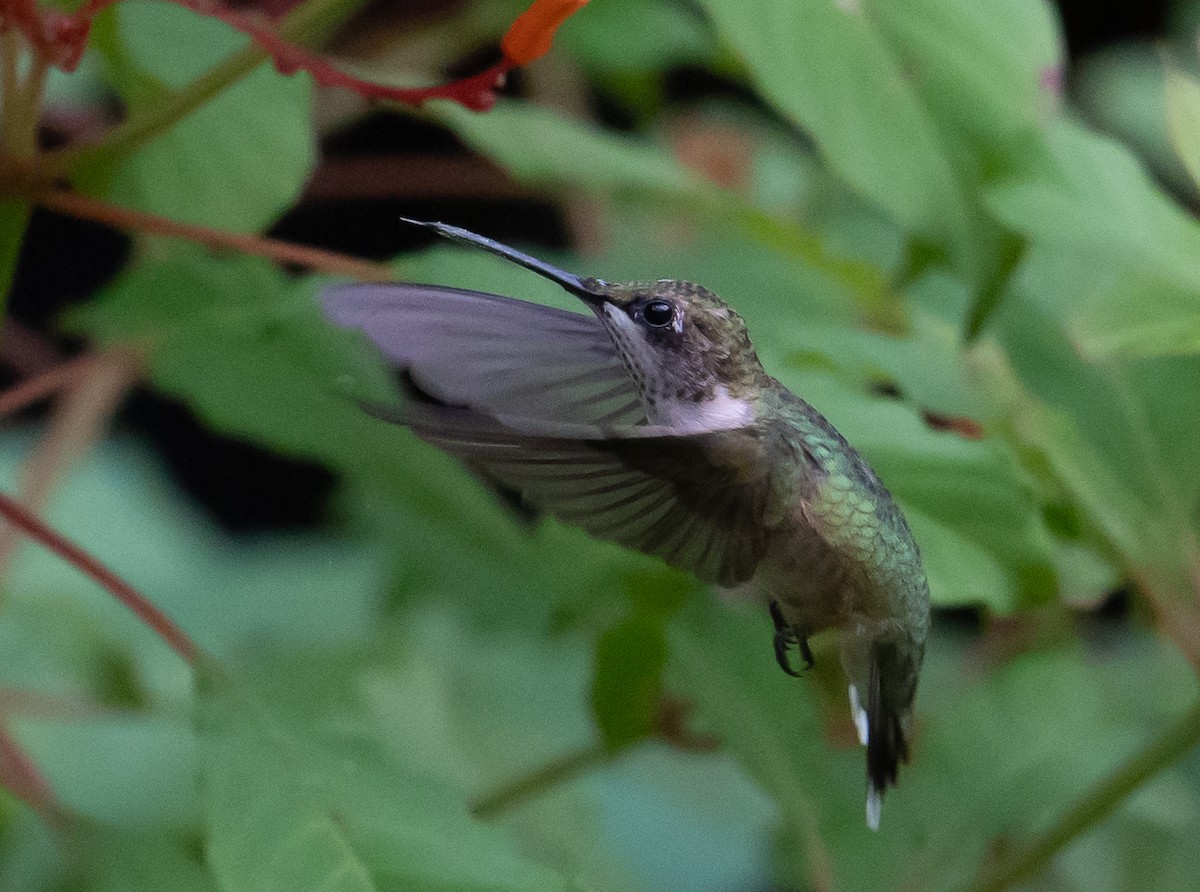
(816, 587)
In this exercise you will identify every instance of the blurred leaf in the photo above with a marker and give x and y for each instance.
(133, 771)
(111, 859)
(237, 161)
(825, 67)
(660, 592)
(655, 36)
(296, 800)
(250, 349)
(1121, 90)
(987, 70)
(1092, 203)
(539, 145)
(996, 753)
(627, 688)
(478, 705)
(1183, 119)
(542, 147)
(30, 858)
(1125, 411)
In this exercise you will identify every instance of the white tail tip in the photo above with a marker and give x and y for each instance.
(874, 806)
(860, 716)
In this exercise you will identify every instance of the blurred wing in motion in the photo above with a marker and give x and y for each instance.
(501, 356)
(701, 502)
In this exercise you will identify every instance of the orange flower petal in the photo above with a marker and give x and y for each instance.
(533, 32)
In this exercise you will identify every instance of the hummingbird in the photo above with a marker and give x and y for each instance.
(651, 422)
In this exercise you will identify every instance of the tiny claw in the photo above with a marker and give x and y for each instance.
(785, 637)
(806, 653)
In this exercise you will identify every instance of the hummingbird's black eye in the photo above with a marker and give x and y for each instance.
(658, 313)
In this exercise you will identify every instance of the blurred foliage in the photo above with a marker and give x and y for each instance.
(990, 285)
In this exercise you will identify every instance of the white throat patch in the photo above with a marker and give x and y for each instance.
(722, 412)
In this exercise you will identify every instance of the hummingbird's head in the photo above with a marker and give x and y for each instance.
(681, 343)
(687, 350)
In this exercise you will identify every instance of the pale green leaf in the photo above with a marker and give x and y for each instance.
(547, 149)
(825, 66)
(1093, 209)
(988, 71)
(237, 161)
(295, 800)
(1183, 119)
(996, 754)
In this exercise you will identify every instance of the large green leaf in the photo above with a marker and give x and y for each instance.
(1183, 119)
(117, 859)
(296, 800)
(826, 67)
(995, 754)
(1092, 206)
(990, 71)
(250, 350)
(547, 149)
(236, 162)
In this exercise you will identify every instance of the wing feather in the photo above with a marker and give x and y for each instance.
(689, 500)
(494, 354)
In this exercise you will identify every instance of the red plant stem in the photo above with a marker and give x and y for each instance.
(44, 385)
(20, 776)
(141, 606)
(81, 206)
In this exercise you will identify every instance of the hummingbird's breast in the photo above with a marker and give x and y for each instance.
(847, 555)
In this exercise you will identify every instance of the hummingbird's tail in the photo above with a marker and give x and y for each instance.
(884, 721)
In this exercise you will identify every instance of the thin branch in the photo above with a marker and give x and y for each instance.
(1096, 805)
(44, 385)
(86, 208)
(78, 419)
(10, 48)
(542, 779)
(141, 606)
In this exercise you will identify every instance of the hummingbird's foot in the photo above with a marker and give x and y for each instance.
(785, 637)
(806, 652)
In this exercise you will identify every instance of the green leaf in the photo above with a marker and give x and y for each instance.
(666, 35)
(538, 145)
(236, 162)
(117, 859)
(996, 754)
(1126, 412)
(1183, 119)
(825, 66)
(1121, 91)
(541, 147)
(627, 688)
(989, 71)
(250, 350)
(296, 800)
(1092, 208)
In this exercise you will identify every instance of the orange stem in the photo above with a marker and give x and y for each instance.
(76, 205)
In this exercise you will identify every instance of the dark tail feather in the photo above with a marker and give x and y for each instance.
(889, 704)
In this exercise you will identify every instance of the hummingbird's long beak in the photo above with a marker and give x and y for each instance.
(590, 290)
